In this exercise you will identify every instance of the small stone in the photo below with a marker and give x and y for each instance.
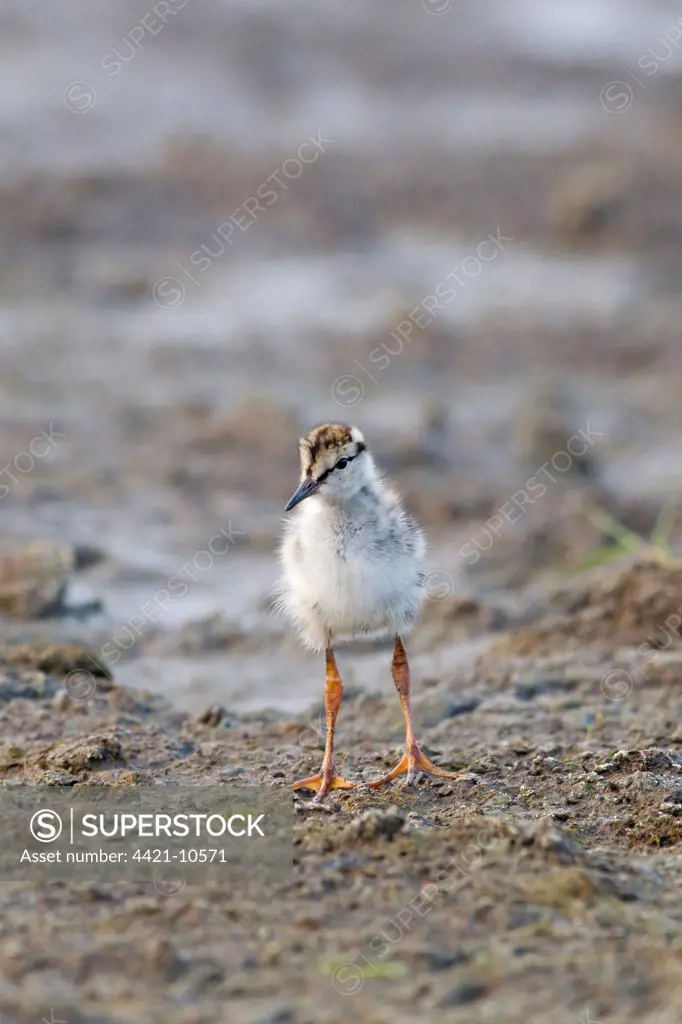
(56, 659)
(657, 760)
(61, 701)
(460, 706)
(588, 201)
(33, 578)
(546, 835)
(532, 689)
(33, 686)
(376, 823)
(559, 841)
(77, 755)
(346, 863)
(216, 715)
(440, 960)
(284, 1015)
(461, 995)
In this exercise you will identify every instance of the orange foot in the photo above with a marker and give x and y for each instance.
(413, 762)
(327, 779)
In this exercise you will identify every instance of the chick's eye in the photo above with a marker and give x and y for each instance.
(342, 463)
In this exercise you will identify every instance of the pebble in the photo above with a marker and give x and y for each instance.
(216, 715)
(460, 706)
(441, 960)
(530, 690)
(76, 755)
(377, 822)
(284, 1015)
(462, 994)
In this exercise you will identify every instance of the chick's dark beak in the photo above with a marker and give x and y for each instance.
(306, 488)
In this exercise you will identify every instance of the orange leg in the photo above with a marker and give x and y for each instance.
(413, 761)
(327, 778)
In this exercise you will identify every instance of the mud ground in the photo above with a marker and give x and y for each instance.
(543, 885)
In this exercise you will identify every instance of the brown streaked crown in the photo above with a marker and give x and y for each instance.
(323, 444)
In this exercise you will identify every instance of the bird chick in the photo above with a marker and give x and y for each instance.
(353, 566)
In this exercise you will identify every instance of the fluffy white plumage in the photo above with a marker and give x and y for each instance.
(352, 556)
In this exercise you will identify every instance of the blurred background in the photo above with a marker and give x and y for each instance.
(456, 224)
